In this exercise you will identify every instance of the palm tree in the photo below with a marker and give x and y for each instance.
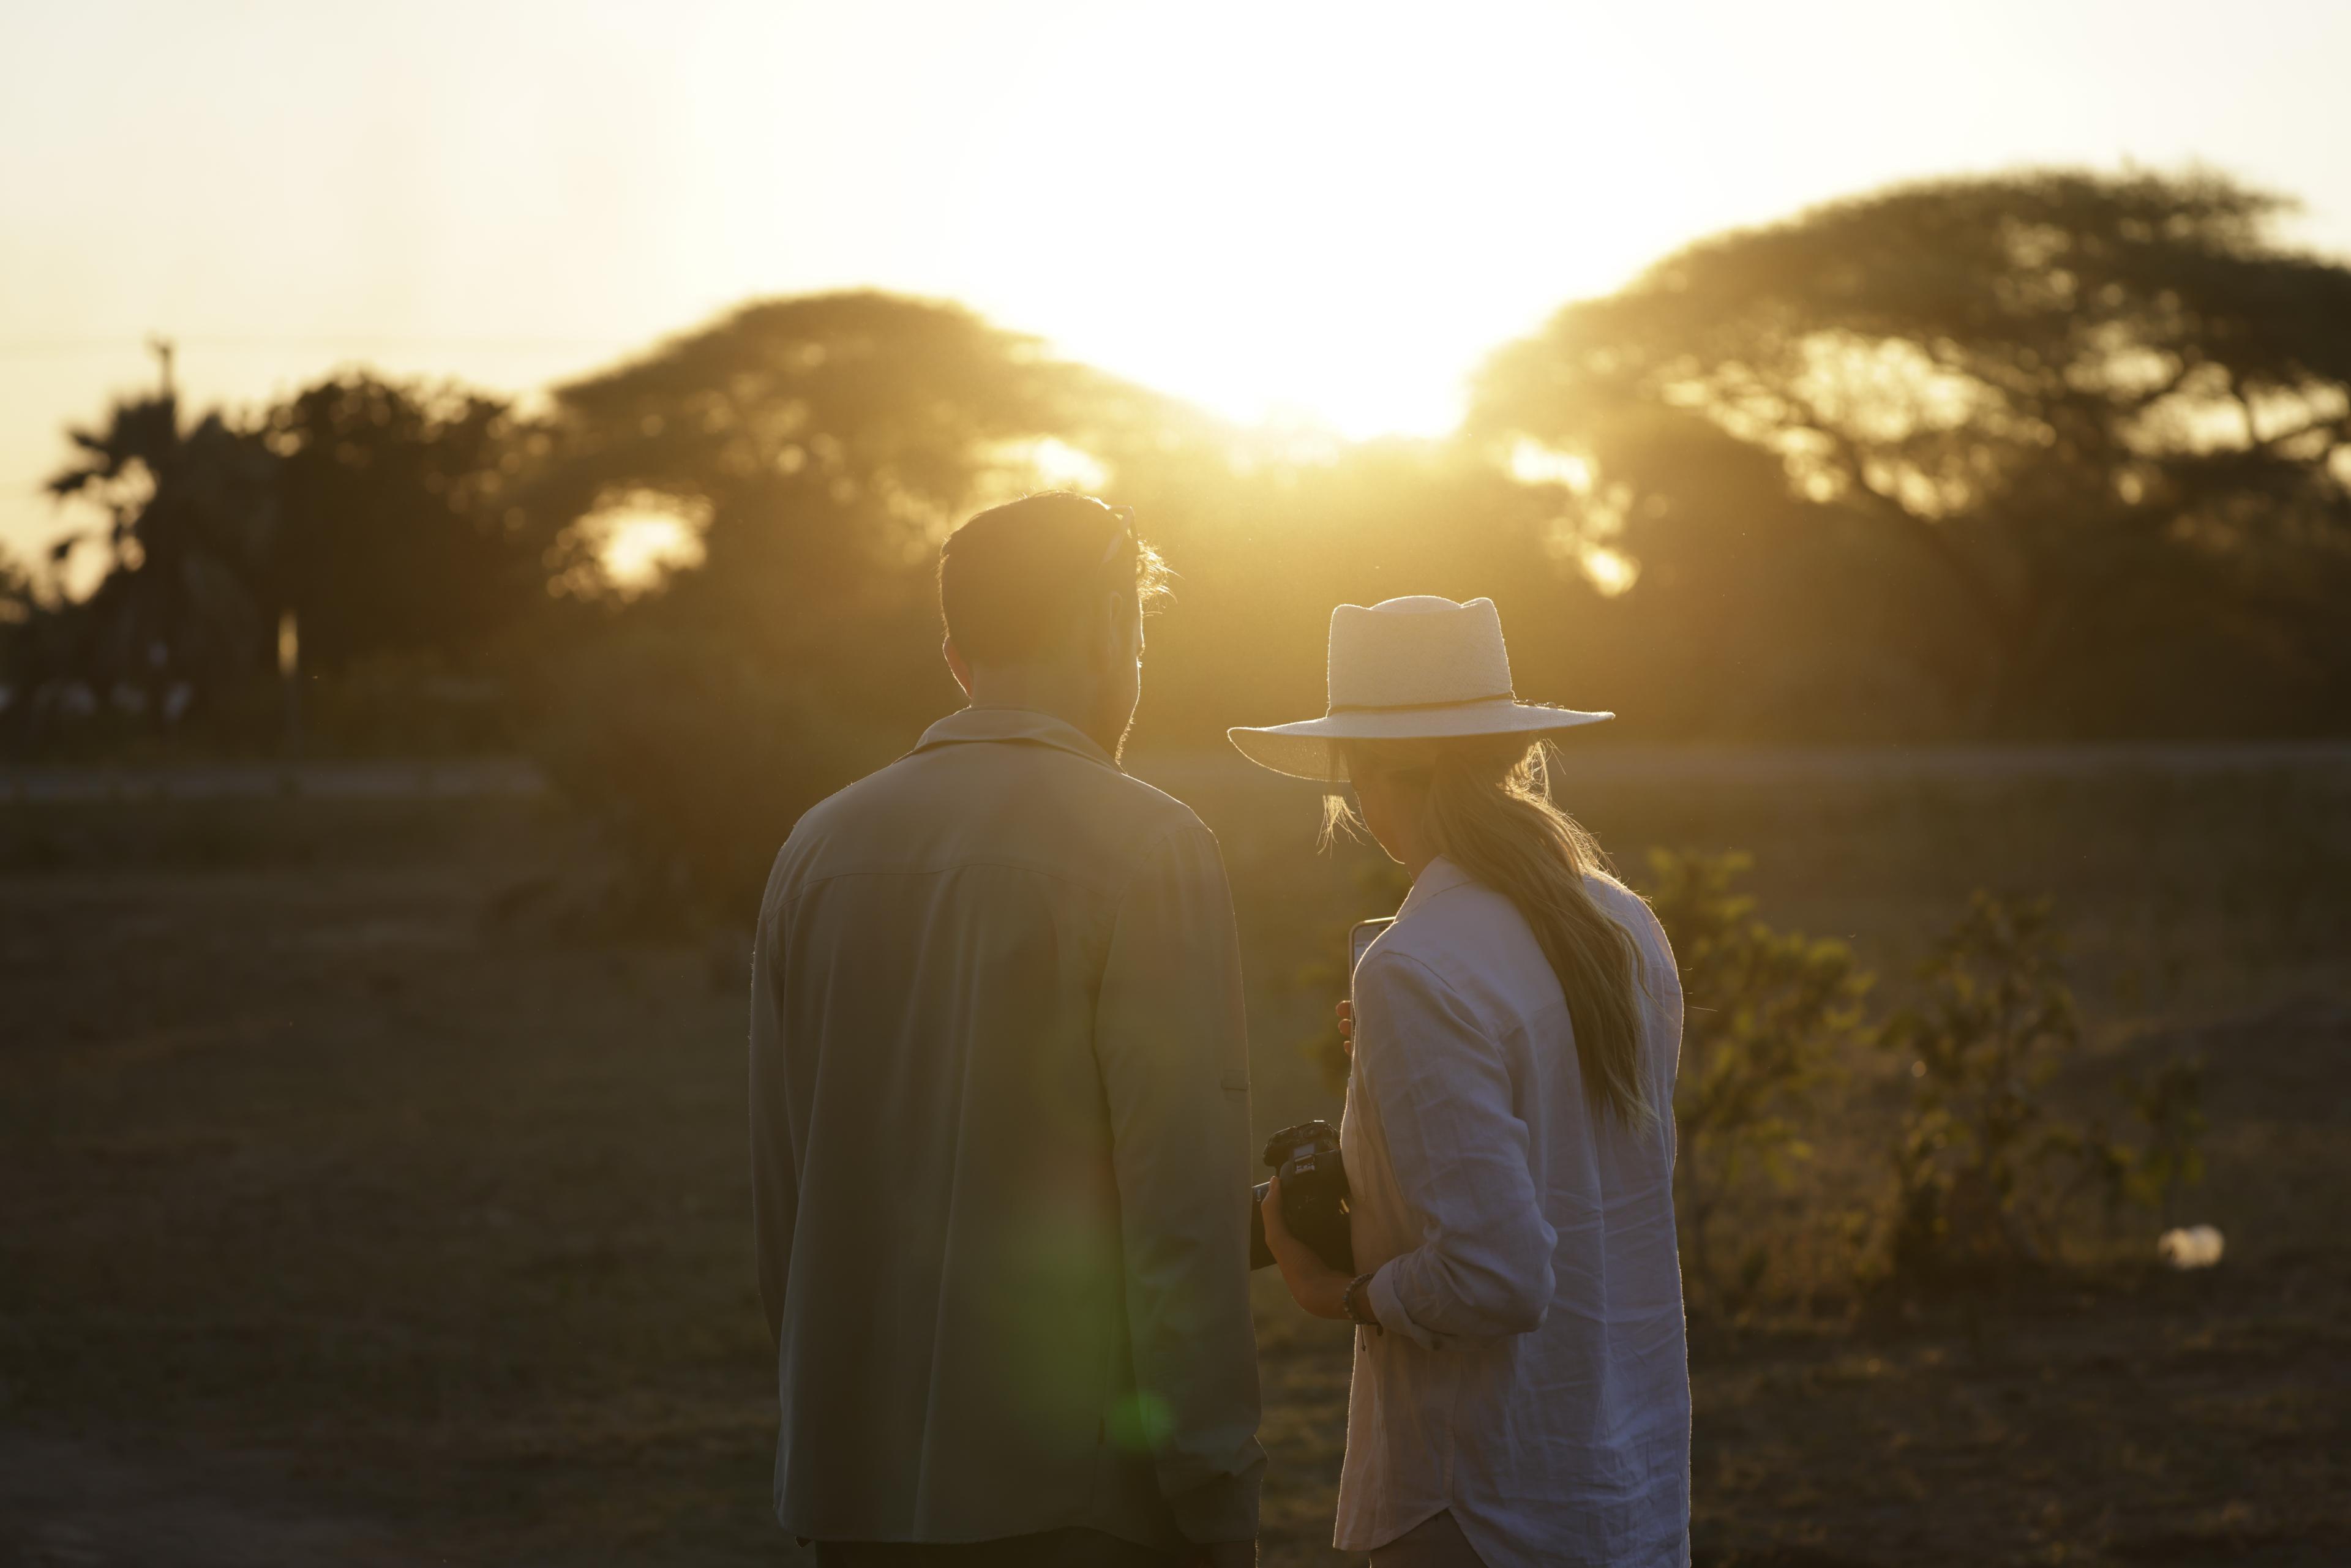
(191, 519)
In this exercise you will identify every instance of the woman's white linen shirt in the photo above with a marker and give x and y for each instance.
(1533, 1377)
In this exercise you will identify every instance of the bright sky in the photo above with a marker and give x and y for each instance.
(1318, 212)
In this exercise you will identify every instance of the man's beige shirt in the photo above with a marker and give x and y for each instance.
(1000, 1136)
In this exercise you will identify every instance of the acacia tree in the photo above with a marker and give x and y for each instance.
(2106, 417)
(853, 422)
(821, 445)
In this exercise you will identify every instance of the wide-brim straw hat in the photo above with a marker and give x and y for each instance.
(1419, 668)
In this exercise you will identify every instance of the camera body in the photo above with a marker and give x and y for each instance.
(1314, 1195)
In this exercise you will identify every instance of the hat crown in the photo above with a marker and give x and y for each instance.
(1416, 651)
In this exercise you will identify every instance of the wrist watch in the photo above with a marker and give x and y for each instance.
(1353, 1302)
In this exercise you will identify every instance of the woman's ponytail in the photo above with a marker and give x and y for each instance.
(1488, 810)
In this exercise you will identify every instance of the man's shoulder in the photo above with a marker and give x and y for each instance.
(836, 809)
(1003, 804)
(1155, 811)
(972, 774)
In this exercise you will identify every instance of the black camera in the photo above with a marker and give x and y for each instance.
(1314, 1195)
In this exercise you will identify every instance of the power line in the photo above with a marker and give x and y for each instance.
(128, 342)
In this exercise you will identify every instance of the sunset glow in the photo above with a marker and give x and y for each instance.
(639, 537)
(1322, 216)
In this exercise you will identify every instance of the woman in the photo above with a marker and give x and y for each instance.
(1521, 1386)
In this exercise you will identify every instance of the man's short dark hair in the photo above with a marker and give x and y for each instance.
(1014, 577)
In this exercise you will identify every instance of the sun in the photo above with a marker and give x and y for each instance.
(1339, 243)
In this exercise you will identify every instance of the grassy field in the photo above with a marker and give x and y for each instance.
(352, 1212)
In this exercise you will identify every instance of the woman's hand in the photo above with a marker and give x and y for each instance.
(1313, 1284)
(1347, 1028)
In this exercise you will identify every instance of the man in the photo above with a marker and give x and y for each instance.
(999, 1110)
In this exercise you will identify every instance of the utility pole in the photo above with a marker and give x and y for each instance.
(165, 351)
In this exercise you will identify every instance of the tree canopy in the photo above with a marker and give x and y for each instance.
(2046, 453)
(2108, 417)
(190, 518)
(395, 530)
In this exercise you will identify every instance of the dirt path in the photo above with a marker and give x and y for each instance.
(69, 1504)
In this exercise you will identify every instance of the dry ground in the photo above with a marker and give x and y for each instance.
(342, 1220)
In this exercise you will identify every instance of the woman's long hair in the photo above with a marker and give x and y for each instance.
(1487, 806)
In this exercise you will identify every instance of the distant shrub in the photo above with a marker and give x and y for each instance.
(695, 759)
(405, 703)
(1984, 1167)
(2170, 1101)
(1765, 1015)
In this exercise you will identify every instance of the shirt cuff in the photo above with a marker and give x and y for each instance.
(1388, 1307)
(1219, 1510)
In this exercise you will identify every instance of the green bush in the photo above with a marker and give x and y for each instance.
(1765, 1013)
(694, 761)
(2170, 1101)
(1984, 1167)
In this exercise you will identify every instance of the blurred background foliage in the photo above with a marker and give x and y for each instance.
(1764, 1016)
(2077, 442)
(2040, 455)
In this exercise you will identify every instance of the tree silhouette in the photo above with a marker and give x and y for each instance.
(2109, 416)
(191, 517)
(830, 432)
(830, 441)
(2046, 453)
(396, 532)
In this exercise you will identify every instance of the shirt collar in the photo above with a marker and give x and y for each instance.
(1018, 725)
(1440, 875)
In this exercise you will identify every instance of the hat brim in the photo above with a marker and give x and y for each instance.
(1310, 748)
